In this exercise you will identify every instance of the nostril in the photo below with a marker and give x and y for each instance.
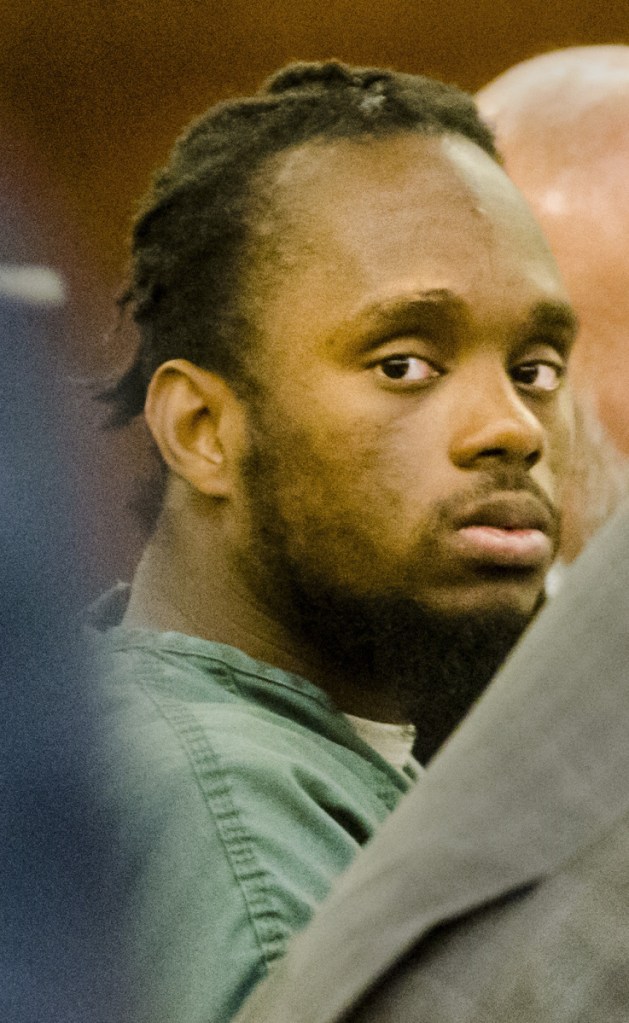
(506, 454)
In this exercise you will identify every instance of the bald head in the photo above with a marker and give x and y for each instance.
(562, 124)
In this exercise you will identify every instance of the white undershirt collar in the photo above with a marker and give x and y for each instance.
(394, 743)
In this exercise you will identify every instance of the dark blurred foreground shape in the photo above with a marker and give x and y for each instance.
(58, 911)
(498, 890)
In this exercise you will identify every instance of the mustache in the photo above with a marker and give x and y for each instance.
(501, 480)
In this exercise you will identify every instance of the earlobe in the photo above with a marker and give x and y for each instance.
(195, 419)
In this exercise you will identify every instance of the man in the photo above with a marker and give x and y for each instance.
(353, 341)
(498, 890)
(561, 122)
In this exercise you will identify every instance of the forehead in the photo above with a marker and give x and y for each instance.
(359, 221)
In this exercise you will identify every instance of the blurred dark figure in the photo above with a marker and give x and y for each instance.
(57, 919)
(498, 890)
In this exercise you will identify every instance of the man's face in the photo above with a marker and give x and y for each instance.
(413, 423)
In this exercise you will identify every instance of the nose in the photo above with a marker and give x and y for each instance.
(492, 421)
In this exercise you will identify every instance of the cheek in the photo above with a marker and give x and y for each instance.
(376, 461)
(348, 469)
(348, 454)
(342, 490)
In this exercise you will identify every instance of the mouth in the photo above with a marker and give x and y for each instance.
(511, 531)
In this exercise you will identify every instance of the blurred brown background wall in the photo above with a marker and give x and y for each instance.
(92, 93)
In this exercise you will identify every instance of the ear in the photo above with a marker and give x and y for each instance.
(198, 424)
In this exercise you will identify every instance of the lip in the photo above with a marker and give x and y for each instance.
(510, 530)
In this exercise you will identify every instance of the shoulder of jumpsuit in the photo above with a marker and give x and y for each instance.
(241, 710)
(239, 793)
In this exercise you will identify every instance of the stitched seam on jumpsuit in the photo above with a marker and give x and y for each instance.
(269, 928)
(384, 788)
(301, 686)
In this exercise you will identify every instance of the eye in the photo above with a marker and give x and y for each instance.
(540, 376)
(409, 369)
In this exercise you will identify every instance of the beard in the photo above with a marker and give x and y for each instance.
(432, 664)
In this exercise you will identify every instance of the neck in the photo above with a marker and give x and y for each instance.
(196, 590)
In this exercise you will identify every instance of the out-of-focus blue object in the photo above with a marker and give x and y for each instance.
(58, 912)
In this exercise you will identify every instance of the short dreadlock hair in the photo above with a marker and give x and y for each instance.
(191, 238)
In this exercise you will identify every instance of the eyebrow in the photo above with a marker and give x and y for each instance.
(554, 315)
(373, 322)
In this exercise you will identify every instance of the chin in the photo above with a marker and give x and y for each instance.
(504, 597)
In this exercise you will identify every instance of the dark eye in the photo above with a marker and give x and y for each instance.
(408, 368)
(539, 376)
